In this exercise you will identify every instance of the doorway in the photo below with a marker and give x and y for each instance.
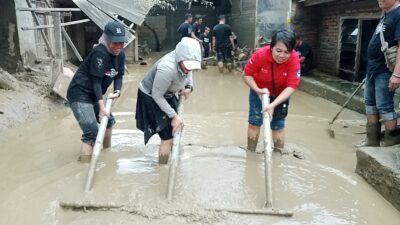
(354, 40)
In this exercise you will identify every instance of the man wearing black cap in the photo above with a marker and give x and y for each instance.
(185, 29)
(104, 65)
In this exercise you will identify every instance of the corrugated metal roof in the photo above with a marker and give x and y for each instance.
(101, 11)
(133, 10)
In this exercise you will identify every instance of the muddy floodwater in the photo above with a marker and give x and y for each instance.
(39, 169)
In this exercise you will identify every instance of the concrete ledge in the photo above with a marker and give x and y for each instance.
(380, 167)
(333, 89)
(338, 91)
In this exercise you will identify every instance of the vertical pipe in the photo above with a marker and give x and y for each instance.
(173, 165)
(267, 151)
(97, 147)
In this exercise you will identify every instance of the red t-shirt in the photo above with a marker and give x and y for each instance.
(286, 74)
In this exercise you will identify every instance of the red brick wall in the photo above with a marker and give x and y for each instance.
(321, 24)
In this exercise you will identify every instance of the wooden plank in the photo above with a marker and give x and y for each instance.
(46, 40)
(52, 26)
(71, 44)
(42, 10)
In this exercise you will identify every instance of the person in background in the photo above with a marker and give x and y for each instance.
(103, 66)
(156, 107)
(223, 43)
(205, 38)
(196, 27)
(383, 79)
(185, 29)
(306, 55)
(277, 68)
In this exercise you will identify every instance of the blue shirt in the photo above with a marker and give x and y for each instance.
(390, 23)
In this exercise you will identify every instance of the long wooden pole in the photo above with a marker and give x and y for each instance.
(51, 26)
(267, 150)
(173, 165)
(97, 147)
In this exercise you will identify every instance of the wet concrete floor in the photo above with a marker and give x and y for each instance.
(39, 169)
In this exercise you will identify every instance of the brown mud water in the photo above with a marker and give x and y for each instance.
(39, 168)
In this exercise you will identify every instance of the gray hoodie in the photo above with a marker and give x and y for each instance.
(165, 78)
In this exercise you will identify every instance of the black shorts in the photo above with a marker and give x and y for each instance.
(151, 119)
(224, 54)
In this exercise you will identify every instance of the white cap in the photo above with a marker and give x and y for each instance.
(188, 52)
(192, 64)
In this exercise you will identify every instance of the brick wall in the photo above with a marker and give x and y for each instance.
(8, 37)
(321, 24)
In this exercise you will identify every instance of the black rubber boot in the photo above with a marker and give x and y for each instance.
(373, 134)
(107, 142)
(391, 137)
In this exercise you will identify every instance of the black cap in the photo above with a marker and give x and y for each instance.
(115, 31)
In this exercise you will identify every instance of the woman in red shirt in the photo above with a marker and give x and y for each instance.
(276, 67)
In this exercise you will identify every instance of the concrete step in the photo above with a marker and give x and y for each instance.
(336, 90)
(380, 167)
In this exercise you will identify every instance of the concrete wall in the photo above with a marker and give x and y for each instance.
(158, 23)
(321, 24)
(272, 15)
(242, 21)
(304, 23)
(8, 37)
(166, 23)
(27, 44)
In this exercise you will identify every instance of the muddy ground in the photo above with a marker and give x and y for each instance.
(39, 167)
(30, 100)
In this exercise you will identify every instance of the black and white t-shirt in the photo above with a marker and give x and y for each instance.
(95, 75)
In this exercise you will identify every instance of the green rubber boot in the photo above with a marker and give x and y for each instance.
(373, 134)
(391, 137)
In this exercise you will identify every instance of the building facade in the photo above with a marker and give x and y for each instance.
(339, 32)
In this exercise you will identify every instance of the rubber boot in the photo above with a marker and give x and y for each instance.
(391, 137)
(85, 157)
(229, 67)
(373, 134)
(107, 142)
(279, 146)
(221, 67)
(163, 159)
(252, 143)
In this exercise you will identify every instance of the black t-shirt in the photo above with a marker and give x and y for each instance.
(206, 40)
(222, 32)
(197, 30)
(185, 30)
(305, 50)
(95, 75)
(390, 23)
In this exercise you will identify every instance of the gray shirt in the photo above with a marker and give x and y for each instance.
(164, 80)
